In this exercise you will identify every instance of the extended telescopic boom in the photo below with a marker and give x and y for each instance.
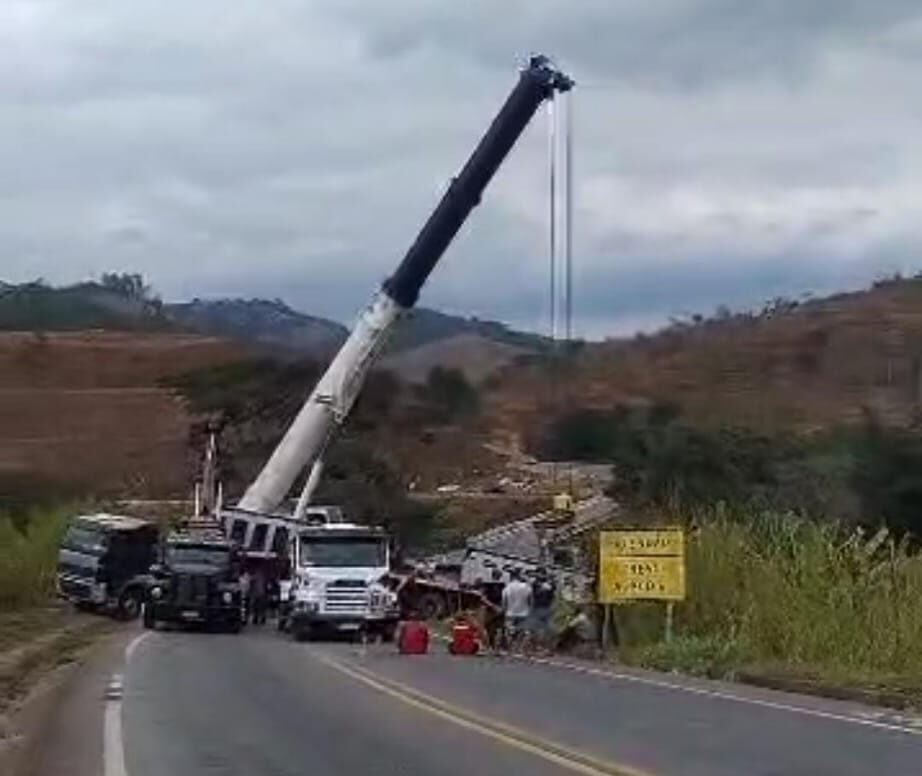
(335, 393)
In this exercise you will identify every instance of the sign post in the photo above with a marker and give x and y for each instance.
(645, 564)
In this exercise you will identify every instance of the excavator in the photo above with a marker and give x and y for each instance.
(337, 565)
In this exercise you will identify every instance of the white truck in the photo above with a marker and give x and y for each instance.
(339, 576)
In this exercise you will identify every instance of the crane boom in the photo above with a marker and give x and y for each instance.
(336, 391)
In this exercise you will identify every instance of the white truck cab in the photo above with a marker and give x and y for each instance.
(339, 581)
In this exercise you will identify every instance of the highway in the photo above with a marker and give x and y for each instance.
(187, 704)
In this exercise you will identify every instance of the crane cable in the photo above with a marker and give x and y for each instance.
(560, 155)
(568, 252)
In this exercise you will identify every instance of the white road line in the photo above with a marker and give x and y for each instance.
(114, 747)
(112, 739)
(725, 696)
(133, 645)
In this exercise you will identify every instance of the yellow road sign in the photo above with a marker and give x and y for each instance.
(632, 543)
(642, 565)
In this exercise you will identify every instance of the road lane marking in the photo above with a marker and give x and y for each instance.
(113, 742)
(724, 696)
(571, 760)
(133, 645)
(114, 748)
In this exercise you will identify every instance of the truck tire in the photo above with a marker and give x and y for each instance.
(233, 626)
(129, 604)
(303, 633)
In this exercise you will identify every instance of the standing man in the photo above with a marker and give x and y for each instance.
(492, 593)
(544, 592)
(258, 591)
(516, 606)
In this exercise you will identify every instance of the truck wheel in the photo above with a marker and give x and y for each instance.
(129, 605)
(233, 626)
(303, 633)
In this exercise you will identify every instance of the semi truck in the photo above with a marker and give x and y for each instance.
(196, 581)
(101, 560)
(339, 582)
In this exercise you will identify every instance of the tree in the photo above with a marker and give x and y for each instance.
(128, 285)
(887, 477)
(449, 395)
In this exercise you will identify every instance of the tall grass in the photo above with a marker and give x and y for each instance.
(778, 590)
(28, 557)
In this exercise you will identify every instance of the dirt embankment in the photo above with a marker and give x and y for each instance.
(85, 409)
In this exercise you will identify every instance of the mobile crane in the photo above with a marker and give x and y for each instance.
(258, 523)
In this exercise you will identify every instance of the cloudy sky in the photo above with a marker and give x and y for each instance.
(726, 152)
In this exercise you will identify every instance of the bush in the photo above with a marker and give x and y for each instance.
(448, 395)
(776, 589)
(716, 657)
(28, 557)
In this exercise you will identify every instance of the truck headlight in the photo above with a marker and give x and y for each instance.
(156, 592)
(227, 596)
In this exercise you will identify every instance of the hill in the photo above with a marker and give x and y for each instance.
(120, 302)
(477, 356)
(123, 302)
(793, 365)
(85, 411)
(267, 324)
(424, 326)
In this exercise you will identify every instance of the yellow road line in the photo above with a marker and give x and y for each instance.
(571, 760)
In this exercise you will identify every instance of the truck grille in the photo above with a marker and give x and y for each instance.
(75, 587)
(345, 596)
(191, 589)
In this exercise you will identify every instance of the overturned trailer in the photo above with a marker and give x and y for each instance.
(548, 540)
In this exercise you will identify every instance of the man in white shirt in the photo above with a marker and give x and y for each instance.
(517, 600)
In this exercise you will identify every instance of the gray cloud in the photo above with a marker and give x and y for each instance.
(726, 152)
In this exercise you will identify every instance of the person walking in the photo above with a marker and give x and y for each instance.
(517, 602)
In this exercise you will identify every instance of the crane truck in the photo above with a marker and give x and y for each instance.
(337, 566)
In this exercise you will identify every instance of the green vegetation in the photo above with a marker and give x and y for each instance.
(122, 302)
(447, 396)
(773, 592)
(867, 474)
(254, 401)
(28, 557)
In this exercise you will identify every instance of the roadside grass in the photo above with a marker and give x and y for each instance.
(776, 595)
(37, 633)
(28, 557)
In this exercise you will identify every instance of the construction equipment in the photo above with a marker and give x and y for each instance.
(259, 523)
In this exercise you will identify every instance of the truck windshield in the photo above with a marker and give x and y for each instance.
(193, 554)
(86, 540)
(342, 551)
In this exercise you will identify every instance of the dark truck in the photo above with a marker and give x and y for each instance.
(102, 561)
(196, 582)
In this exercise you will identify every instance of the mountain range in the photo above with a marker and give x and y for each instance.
(123, 303)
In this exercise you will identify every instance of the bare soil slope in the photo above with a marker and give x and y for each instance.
(799, 366)
(84, 409)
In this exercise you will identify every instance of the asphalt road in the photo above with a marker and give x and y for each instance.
(187, 704)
